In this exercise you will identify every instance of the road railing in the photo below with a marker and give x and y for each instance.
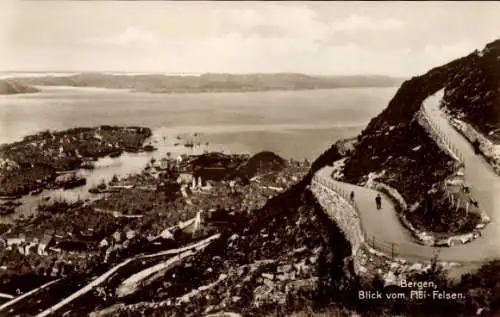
(371, 242)
(443, 137)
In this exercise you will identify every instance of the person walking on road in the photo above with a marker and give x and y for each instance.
(378, 201)
(352, 196)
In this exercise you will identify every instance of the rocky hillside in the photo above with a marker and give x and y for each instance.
(284, 256)
(396, 147)
(212, 82)
(473, 94)
(11, 87)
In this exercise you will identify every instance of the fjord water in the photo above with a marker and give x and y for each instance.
(293, 124)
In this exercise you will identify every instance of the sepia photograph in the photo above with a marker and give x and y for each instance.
(249, 158)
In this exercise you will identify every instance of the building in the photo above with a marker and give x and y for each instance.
(166, 164)
(45, 242)
(215, 173)
(182, 158)
(117, 237)
(193, 225)
(130, 234)
(27, 249)
(104, 243)
(166, 234)
(15, 241)
(197, 222)
(185, 178)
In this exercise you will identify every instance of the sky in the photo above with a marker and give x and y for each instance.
(335, 38)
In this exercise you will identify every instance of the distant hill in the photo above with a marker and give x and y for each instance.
(209, 82)
(11, 87)
(262, 162)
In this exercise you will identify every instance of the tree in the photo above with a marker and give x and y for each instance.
(435, 273)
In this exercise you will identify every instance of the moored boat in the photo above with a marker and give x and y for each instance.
(116, 153)
(87, 166)
(132, 149)
(14, 197)
(70, 181)
(94, 190)
(75, 181)
(149, 148)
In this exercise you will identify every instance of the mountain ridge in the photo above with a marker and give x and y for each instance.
(12, 87)
(211, 82)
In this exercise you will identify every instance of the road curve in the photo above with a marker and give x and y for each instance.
(101, 279)
(385, 226)
(26, 295)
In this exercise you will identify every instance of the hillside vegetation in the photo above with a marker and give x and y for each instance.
(473, 94)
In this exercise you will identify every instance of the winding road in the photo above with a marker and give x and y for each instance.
(382, 224)
(385, 226)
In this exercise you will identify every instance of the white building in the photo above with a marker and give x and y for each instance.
(104, 243)
(166, 234)
(14, 242)
(130, 234)
(44, 243)
(117, 236)
(165, 164)
(185, 178)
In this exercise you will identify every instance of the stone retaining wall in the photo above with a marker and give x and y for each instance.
(338, 208)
